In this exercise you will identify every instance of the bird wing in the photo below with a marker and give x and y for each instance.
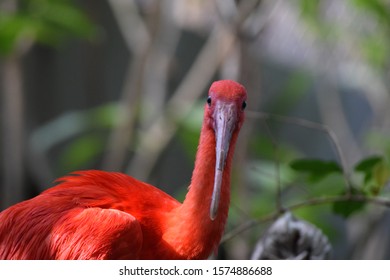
(96, 233)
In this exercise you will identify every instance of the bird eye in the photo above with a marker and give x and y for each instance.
(243, 105)
(209, 100)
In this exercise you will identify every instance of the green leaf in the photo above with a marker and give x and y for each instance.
(367, 164)
(317, 169)
(376, 172)
(381, 175)
(347, 208)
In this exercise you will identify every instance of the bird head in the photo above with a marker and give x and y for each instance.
(224, 114)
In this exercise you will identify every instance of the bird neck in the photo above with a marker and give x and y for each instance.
(195, 234)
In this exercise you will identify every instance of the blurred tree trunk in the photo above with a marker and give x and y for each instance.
(12, 131)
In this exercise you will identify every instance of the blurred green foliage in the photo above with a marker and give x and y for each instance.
(48, 22)
(372, 43)
(189, 130)
(375, 45)
(317, 169)
(379, 8)
(347, 208)
(82, 152)
(292, 91)
(82, 134)
(376, 171)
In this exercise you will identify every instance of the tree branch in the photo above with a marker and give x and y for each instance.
(138, 42)
(219, 44)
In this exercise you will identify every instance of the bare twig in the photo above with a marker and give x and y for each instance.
(248, 225)
(380, 201)
(131, 25)
(279, 204)
(138, 42)
(156, 76)
(332, 113)
(155, 139)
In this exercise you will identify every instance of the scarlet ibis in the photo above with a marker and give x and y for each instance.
(107, 215)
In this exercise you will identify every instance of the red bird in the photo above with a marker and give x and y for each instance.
(106, 215)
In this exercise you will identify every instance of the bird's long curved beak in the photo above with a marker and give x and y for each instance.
(225, 117)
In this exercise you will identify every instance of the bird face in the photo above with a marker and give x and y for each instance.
(225, 112)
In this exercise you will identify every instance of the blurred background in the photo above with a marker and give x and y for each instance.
(120, 85)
